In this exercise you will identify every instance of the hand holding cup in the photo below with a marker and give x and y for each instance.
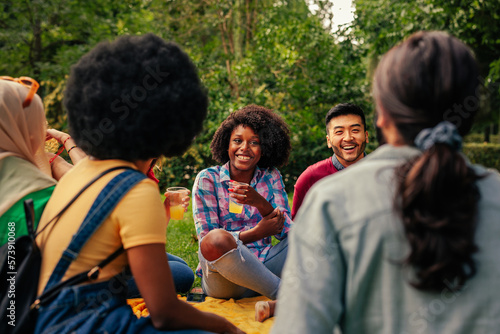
(177, 201)
(234, 205)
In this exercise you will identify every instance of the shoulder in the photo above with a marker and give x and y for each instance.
(207, 179)
(274, 172)
(271, 173)
(143, 194)
(140, 216)
(355, 175)
(368, 186)
(489, 183)
(211, 173)
(321, 167)
(317, 171)
(326, 163)
(26, 171)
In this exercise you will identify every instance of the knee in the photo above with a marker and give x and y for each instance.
(217, 243)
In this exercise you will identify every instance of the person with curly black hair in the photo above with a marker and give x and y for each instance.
(237, 258)
(129, 101)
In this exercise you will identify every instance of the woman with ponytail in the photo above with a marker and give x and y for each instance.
(407, 240)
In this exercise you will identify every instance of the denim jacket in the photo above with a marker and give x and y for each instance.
(344, 260)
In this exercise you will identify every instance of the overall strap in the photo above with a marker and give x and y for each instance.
(100, 210)
(91, 182)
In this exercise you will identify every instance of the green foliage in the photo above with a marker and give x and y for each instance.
(267, 52)
(288, 63)
(380, 24)
(479, 138)
(487, 155)
(182, 241)
(42, 39)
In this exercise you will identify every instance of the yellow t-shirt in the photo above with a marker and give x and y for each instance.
(138, 219)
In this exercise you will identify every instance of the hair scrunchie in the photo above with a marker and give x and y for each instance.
(443, 133)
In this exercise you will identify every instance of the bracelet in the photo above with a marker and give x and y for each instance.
(61, 149)
(72, 147)
(64, 142)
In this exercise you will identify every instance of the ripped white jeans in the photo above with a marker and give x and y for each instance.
(240, 274)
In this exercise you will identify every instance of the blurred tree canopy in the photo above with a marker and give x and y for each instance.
(274, 53)
(380, 24)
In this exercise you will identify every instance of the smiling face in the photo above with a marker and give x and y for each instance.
(244, 151)
(347, 137)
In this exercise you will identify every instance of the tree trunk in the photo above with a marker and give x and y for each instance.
(487, 134)
(227, 40)
(238, 30)
(37, 46)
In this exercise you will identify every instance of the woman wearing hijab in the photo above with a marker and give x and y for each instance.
(25, 171)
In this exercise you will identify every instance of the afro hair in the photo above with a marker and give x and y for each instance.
(136, 98)
(273, 132)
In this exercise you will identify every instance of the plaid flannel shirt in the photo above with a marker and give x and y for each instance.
(211, 205)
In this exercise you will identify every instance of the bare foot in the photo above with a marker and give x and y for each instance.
(264, 310)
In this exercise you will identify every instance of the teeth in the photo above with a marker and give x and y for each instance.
(348, 147)
(243, 158)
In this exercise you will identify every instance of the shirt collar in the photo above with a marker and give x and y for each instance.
(337, 164)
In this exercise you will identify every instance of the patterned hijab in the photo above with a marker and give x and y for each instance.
(22, 134)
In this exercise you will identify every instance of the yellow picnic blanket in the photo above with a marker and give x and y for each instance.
(240, 312)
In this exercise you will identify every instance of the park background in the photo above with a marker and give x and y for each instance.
(287, 55)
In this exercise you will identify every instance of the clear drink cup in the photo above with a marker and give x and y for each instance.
(175, 195)
(235, 207)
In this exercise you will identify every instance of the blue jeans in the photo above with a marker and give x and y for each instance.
(95, 308)
(183, 277)
(240, 274)
(182, 273)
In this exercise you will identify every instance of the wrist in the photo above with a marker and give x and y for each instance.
(65, 140)
(265, 209)
(267, 213)
(71, 148)
(250, 235)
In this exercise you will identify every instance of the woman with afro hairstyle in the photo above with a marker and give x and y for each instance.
(236, 256)
(129, 101)
(407, 239)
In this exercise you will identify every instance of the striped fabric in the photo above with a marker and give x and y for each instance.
(211, 205)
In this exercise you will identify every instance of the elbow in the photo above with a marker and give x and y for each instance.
(163, 322)
(167, 320)
(159, 323)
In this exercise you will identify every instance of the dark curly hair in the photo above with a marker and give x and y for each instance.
(135, 98)
(273, 132)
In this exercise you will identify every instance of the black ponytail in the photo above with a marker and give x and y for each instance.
(437, 199)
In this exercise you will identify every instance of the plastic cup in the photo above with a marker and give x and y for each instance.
(175, 195)
(235, 207)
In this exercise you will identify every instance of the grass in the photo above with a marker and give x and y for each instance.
(183, 242)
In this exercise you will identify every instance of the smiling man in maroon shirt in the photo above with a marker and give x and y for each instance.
(346, 135)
